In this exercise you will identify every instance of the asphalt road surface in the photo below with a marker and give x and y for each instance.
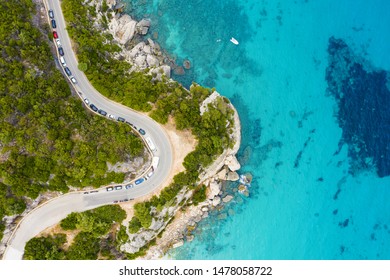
(55, 210)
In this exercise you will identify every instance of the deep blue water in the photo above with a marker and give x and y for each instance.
(310, 80)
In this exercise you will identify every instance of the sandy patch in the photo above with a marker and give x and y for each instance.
(182, 143)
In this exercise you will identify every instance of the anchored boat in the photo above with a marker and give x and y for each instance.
(234, 41)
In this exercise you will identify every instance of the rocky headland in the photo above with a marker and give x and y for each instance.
(145, 54)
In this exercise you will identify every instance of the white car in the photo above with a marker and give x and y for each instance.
(150, 174)
(58, 42)
(86, 101)
(111, 116)
(73, 79)
(62, 60)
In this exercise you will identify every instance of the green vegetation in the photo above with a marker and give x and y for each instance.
(85, 246)
(93, 225)
(48, 141)
(137, 90)
(108, 75)
(45, 248)
(97, 221)
(122, 236)
(134, 225)
(199, 195)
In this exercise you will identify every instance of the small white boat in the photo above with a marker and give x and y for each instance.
(234, 41)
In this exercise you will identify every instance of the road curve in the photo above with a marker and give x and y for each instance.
(55, 210)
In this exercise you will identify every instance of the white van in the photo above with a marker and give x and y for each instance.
(62, 60)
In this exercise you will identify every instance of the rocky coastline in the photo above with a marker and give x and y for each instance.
(145, 54)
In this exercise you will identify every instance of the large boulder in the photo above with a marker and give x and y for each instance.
(216, 201)
(232, 162)
(143, 26)
(140, 61)
(123, 28)
(152, 61)
(232, 176)
(215, 188)
(178, 244)
(227, 198)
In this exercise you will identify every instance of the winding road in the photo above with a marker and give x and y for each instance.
(53, 211)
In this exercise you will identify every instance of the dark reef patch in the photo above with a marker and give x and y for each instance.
(344, 224)
(299, 156)
(363, 108)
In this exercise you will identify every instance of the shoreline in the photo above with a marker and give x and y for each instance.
(147, 54)
(211, 176)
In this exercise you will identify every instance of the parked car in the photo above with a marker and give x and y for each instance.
(109, 189)
(121, 119)
(87, 101)
(118, 187)
(129, 186)
(73, 79)
(111, 116)
(53, 23)
(51, 14)
(102, 112)
(141, 131)
(150, 174)
(58, 42)
(61, 51)
(63, 62)
(67, 71)
(93, 107)
(139, 181)
(55, 35)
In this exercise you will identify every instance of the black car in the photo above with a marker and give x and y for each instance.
(93, 107)
(61, 51)
(67, 71)
(121, 119)
(51, 14)
(53, 23)
(101, 112)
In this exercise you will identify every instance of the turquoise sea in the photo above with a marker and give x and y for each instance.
(310, 81)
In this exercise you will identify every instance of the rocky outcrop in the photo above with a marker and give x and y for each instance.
(143, 27)
(232, 162)
(122, 28)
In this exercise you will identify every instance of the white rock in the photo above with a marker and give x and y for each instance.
(222, 174)
(123, 28)
(152, 61)
(178, 244)
(147, 49)
(143, 26)
(156, 224)
(214, 189)
(232, 176)
(151, 43)
(216, 201)
(232, 162)
(227, 198)
(140, 61)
